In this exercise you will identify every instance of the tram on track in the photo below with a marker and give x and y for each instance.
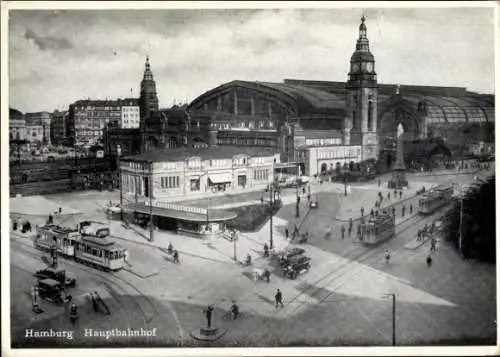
(378, 228)
(434, 199)
(88, 244)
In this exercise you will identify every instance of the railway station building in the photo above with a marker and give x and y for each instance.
(323, 124)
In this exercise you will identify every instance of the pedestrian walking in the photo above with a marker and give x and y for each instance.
(362, 211)
(371, 212)
(267, 275)
(94, 301)
(396, 194)
(388, 196)
(400, 194)
(73, 313)
(278, 298)
(286, 232)
(394, 211)
(378, 182)
(350, 226)
(266, 250)
(308, 197)
(403, 209)
(176, 257)
(328, 233)
(170, 248)
(296, 230)
(411, 209)
(358, 233)
(387, 256)
(429, 260)
(342, 231)
(51, 219)
(419, 235)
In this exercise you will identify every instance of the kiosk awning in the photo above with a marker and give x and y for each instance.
(221, 178)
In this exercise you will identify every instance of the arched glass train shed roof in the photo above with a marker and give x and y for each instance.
(463, 109)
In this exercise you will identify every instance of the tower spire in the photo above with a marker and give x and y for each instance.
(148, 75)
(362, 44)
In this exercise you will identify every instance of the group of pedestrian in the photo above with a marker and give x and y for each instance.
(173, 252)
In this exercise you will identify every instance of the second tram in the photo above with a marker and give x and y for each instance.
(434, 199)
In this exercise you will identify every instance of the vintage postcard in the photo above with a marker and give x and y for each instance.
(245, 176)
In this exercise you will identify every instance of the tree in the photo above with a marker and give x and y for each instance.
(478, 222)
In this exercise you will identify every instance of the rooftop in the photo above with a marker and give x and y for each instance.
(214, 152)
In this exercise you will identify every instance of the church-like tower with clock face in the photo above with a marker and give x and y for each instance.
(361, 105)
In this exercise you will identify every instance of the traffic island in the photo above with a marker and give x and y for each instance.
(208, 334)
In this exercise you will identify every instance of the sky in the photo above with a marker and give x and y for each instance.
(59, 56)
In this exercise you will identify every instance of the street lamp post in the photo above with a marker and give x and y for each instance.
(393, 296)
(271, 189)
(118, 153)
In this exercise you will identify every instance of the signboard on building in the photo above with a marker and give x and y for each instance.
(176, 207)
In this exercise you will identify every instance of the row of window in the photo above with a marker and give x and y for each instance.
(248, 124)
(170, 182)
(246, 141)
(322, 142)
(340, 153)
(98, 252)
(261, 175)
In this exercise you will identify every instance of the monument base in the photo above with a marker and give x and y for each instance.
(398, 180)
(207, 333)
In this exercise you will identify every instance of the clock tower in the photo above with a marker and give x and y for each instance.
(361, 104)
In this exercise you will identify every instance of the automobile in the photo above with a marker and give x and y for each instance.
(297, 266)
(291, 253)
(51, 290)
(57, 275)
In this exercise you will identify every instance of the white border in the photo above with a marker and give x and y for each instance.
(322, 351)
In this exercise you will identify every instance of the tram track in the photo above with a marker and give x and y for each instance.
(113, 293)
(147, 319)
(360, 260)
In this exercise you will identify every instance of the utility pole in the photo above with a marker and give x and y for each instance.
(151, 204)
(460, 235)
(235, 238)
(118, 153)
(393, 296)
(271, 188)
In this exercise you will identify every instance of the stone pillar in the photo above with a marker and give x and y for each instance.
(398, 179)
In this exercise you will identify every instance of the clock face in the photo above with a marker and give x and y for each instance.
(369, 66)
(355, 67)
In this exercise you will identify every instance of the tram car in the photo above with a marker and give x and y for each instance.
(378, 228)
(88, 244)
(434, 199)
